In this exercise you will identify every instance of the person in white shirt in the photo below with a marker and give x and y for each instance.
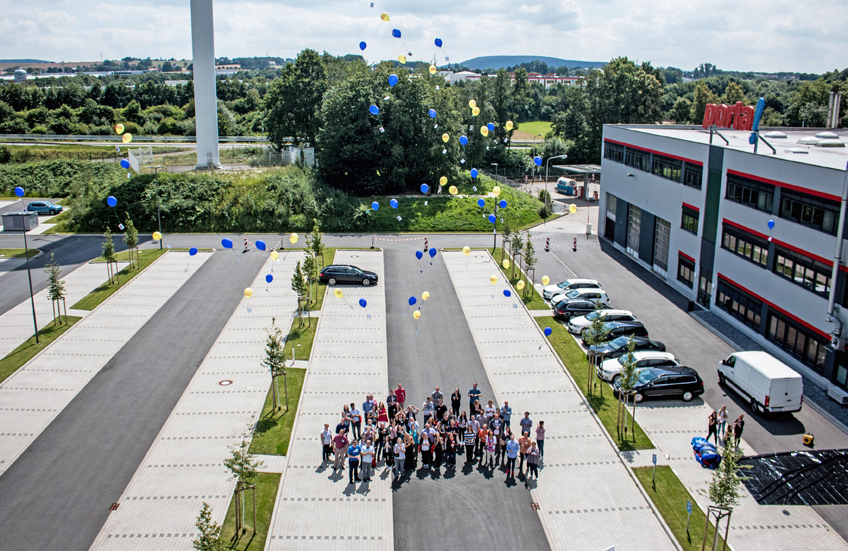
(428, 408)
(356, 424)
(326, 438)
(400, 456)
(367, 461)
(489, 410)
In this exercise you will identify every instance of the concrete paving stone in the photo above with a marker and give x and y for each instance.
(272, 463)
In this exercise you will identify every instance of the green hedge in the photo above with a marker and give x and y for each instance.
(60, 178)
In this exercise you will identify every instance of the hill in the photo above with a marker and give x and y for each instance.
(504, 61)
(24, 61)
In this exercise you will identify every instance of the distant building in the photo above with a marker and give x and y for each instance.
(546, 80)
(20, 75)
(227, 69)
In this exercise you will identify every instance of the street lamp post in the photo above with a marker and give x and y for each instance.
(547, 168)
(496, 169)
(19, 191)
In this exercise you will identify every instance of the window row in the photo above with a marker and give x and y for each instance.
(689, 220)
(663, 166)
(666, 167)
(797, 340)
(685, 271)
(640, 160)
(750, 193)
(806, 272)
(745, 245)
(614, 152)
(739, 304)
(820, 214)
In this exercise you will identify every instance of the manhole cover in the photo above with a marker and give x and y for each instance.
(225, 382)
(535, 506)
(114, 507)
(354, 256)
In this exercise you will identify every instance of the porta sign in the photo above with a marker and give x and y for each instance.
(735, 116)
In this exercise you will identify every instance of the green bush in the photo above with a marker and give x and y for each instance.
(59, 178)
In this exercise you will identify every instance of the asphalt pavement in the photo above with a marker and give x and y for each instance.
(58, 493)
(475, 506)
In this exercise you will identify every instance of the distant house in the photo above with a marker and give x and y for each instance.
(547, 80)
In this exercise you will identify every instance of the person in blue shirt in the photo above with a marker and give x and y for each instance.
(353, 452)
(506, 413)
(512, 448)
(473, 397)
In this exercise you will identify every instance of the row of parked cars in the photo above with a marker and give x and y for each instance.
(659, 372)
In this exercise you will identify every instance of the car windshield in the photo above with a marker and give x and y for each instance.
(645, 376)
(622, 359)
(619, 342)
(592, 316)
(573, 293)
(563, 285)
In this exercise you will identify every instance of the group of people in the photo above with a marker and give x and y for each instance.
(391, 432)
(717, 427)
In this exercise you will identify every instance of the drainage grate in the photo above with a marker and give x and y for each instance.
(114, 507)
(534, 506)
(225, 382)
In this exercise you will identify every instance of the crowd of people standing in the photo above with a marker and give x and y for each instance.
(390, 432)
(717, 424)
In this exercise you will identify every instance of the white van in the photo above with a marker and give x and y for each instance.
(769, 384)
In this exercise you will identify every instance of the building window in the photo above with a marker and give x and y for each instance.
(820, 214)
(689, 220)
(667, 167)
(797, 340)
(693, 175)
(750, 192)
(800, 270)
(614, 152)
(742, 243)
(634, 227)
(638, 159)
(739, 304)
(685, 271)
(662, 237)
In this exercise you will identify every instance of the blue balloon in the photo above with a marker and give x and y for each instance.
(548, 331)
(473, 172)
(432, 113)
(375, 205)
(412, 300)
(374, 110)
(269, 278)
(125, 163)
(260, 244)
(192, 251)
(491, 127)
(363, 303)
(432, 252)
(507, 293)
(538, 161)
(771, 224)
(393, 203)
(752, 139)
(502, 204)
(19, 191)
(425, 188)
(392, 80)
(362, 45)
(419, 255)
(438, 42)
(481, 203)
(492, 218)
(758, 113)
(463, 140)
(227, 243)
(111, 201)
(396, 33)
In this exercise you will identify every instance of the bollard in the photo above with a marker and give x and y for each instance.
(246, 245)
(574, 245)
(547, 244)
(372, 242)
(425, 244)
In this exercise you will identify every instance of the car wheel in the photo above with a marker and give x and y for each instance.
(687, 396)
(638, 397)
(616, 379)
(366, 282)
(720, 378)
(755, 407)
(332, 281)
(52, 213)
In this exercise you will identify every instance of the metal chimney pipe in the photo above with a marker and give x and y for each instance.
(829, 120)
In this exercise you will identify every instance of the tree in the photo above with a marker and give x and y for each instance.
(529, 263)
(724, 490)
(294, 100)
(733, 93)
(210, 532)
(131, 239)
(315, 243)
(596, 333)
(703, 96)
(299, 286)
(243, 467)
(517, 250)
(109, 256)
(167, 67)
(310, 269)
(547, 204)
(681, 111)
(627, 379)
(275, 361)
(55, 289)
(506, 233)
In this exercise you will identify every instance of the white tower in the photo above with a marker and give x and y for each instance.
(205, 98)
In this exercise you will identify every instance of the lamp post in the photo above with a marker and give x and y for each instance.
(496, 169)
(547, 168)
(19, 191)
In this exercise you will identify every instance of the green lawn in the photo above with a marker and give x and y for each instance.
(532, 299)
(64, 216)
(94, 298)
(300, 338)
(535, 127)
(273, 430)
(74, 152)
(601, 399)
(17, 253)
(267, 485)
(25, 352)
(670, 497)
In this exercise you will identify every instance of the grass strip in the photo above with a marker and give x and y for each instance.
(604, 404)
(267, 485)
(273, 430)
(300, 337)
(17, 253)
(27, 351)
(529, 296)
(669, 495)
(97, 296)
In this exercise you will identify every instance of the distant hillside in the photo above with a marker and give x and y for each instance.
(504, 61)
(23, 61)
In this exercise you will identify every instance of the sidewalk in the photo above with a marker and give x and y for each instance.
(587, 497)
(349, 360)
(184, 466)
(34, 395)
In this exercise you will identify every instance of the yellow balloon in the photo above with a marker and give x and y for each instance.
(453, 190)
(505, 264)
(157, 236)
(384, 16)
(248, 292)
(484, 130)
(293, 238)
(425, 295)
(472, 104)
(402, 58)
(443, 180)
(119, 129)
(432, 69)
(496, 191)
(126, 138)
(519, 285)
(416, 314)
(509, 125)
(275, 255)
(493, 279)
(545, 280)
(466, 250)
(475, 111)
(572, 209)
(338, 293)
(445, 137)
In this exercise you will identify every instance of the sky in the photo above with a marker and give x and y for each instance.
(757, 35)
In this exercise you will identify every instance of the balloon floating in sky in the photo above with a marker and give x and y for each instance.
(125, 163)
(484, 130)
(425, 188)
(771, 224)
(226, 243)
(438, 42)
(472, 103)
(425, 295)
(338, 293)
(432, 113)
(111, 201)
(126, 138)
(192, 251)
(443, 180)
(363, 302)
(412, 301)
(248, 292)
(432, 252)
(545, 280)
(509, 126)
(393, 79)
(433, 69)
(481, 203)
(507, 293)
(269, 278)
(475, 111)
(520, 285)
(474, 172)
(362, 45)
(548, 331)
(402, 58)
(396, 33)
(492, 218)
(493, 279)
(506, 264)
(293, 238)
(445, 137)
(466, 250)
(157, 236)
(19, 191)
(375, 205)
(394, 203)
(453, 190)
(538, 160)
(260, 245)
(416, 314)
(572, 208)
(384, 16)
(496, 191)
(119, 129)
(463, 140)
(491, 127)
(419, 255)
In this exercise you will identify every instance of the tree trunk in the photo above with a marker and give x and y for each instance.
(286, 389)
(634, 418)
(274, 390)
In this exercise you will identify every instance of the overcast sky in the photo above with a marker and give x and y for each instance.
(760, 35)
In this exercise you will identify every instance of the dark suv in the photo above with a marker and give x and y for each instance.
(618, 347)
(341, 273)
(620, 329)
(666, 382)
(567, 310)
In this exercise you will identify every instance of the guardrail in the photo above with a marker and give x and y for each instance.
(117, 138)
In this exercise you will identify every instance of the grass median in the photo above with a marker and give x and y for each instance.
(273, 430)
(17, 253)
(97, 296)
(531, 298)
(267, 485)
(27, 351)
(604, 404)
(669, 495)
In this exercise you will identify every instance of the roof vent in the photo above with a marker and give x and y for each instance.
(797, 151)
(809, 141)
(827, 135)
(775, 134)
(830, 143)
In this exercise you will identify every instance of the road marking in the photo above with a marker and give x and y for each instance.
(563, 263)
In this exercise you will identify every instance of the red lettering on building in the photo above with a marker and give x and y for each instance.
(738, 116)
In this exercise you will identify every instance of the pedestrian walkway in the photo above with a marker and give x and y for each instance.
(348, 362)
(184, 466)
(587, 497)
(16, 324)
(34, 395)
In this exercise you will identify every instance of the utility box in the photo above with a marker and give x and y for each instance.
(19, 221)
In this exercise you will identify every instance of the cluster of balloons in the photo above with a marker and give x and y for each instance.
(125, 137)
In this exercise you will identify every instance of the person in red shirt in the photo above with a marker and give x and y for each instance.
(400, 394)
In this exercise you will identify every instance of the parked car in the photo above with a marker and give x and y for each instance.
(582, 294)
(44, 207)
(568, 285)
(578, 324)
(617, 329)
(566, 310)
(666, 382)
(767, 383)
(339, 273)
(618, 347)
(608, 370)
